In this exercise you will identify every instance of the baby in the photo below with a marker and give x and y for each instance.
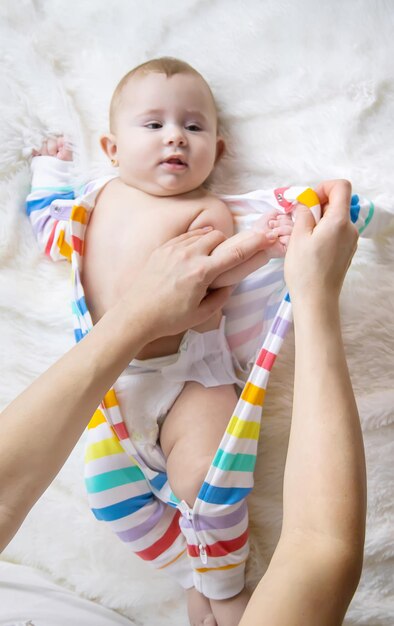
(178, 394)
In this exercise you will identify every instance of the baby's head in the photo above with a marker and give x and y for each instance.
(163, 128)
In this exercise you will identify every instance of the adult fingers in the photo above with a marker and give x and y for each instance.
(204, 245)
(304, 221)
(234, 251)
(189, 236)
(335, 197)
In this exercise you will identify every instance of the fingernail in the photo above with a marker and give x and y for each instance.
(271, 223)
(207, 228)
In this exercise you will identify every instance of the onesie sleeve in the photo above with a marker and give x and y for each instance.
(371, 219)
(49, 205)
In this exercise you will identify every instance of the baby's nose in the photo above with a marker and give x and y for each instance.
(176, 137)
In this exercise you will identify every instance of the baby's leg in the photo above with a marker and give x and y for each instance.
(229, 612)
(190, 437)
(191, 434)
(199, 609)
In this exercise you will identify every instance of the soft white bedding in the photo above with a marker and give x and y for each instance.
(306, 92)
(28, 597)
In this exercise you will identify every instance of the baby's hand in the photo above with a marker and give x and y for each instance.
(277, 228)
(55, 146)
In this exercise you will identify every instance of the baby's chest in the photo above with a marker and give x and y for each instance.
(159, 223)
(120, 237)
(128, 234)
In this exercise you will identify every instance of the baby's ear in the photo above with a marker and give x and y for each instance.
(108, 144)
(220, 149)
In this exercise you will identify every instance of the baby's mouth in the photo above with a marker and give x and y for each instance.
(174, 163)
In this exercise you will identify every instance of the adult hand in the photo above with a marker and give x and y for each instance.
(171, 293)
(319, 255)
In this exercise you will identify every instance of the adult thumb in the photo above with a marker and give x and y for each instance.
(213, 301)
(303, 219)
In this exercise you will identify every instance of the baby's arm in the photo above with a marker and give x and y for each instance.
(217, 215)
(51, 198)
(275, 229)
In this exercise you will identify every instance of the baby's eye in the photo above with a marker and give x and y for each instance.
(193, 127)
(153, 125)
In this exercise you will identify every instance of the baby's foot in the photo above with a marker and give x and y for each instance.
(199, 609)
(57, 147)
(277, 228)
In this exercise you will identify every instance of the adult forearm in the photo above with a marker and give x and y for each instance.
(324, 486)
(41, 426)
(316, 565)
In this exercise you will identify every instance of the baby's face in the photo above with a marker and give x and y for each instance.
(165, 136)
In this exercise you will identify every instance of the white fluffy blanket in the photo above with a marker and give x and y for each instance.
(306, 93)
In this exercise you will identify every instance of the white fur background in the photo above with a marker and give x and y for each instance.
(306, 92)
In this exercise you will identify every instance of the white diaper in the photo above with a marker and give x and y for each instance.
(147, 389)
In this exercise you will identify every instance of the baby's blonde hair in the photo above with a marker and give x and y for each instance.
(162, 65)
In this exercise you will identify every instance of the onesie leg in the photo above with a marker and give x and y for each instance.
(120, 495)
(216, 527)
(217, 544)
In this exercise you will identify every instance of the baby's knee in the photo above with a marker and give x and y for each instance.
(186, 479)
